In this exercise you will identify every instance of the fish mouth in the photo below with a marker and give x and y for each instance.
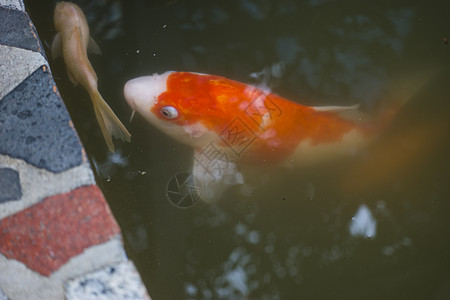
(129, 94)
(142, 92)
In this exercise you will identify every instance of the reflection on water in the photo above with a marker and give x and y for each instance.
(363, 223)
(287, 234)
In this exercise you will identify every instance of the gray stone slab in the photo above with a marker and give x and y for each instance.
(17, 30)
(17, 64)
(13, 4)
(10, 188)
(36, 127)
(117, 282)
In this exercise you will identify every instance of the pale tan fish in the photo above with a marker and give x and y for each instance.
(72, 41)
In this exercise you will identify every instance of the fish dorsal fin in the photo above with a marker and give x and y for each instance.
(336, 108)
(57, 46)
(350, 112)
(93, 47)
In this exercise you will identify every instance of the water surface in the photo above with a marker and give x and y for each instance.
(295, 234)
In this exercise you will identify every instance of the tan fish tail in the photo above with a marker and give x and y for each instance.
(402, 91)
(110, 125)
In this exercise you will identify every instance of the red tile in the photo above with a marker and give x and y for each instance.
(46, 235)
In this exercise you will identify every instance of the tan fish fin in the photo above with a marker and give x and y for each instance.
(101, 123)
(405, 87)
(57, 46)
(350, 112)
(402, 89)
(110, 125)
(93, 47)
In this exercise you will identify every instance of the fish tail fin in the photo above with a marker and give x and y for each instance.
(109, 123)
(403, 90)
(406, 87)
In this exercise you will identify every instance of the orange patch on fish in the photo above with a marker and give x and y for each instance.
(278, 125)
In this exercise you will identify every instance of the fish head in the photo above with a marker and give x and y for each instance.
(67, 16)
(179, 104)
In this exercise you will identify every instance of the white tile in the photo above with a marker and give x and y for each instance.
(117, 282)
(13, 4)
(21, 283)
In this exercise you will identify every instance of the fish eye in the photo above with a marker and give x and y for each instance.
(169, 112)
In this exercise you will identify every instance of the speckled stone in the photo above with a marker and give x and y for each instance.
(10, 188)
(21, 283)
(13, 4)
(17, 30)
(36, 127)
(46, 235)
(118, 282)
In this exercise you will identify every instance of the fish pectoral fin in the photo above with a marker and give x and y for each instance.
(93, 47)
(57, 46)
(214, 176)
(350, 112)
(109, 123)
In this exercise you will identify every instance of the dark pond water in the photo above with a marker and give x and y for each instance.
(290, 235)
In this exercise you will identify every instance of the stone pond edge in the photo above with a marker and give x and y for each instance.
(58, 237)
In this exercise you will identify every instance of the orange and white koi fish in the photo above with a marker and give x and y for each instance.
(72, 42)
(229, 122)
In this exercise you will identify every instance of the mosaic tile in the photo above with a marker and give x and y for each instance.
(20, 64)
(38, 184)
(21, 283)
(17, 30)
(13, 4)
(118, 282)
(36, 127)
(46, 235)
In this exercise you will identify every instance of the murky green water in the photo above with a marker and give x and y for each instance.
(291, 237)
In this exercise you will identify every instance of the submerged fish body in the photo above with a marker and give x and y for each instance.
(230, 123)
(72, 41)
